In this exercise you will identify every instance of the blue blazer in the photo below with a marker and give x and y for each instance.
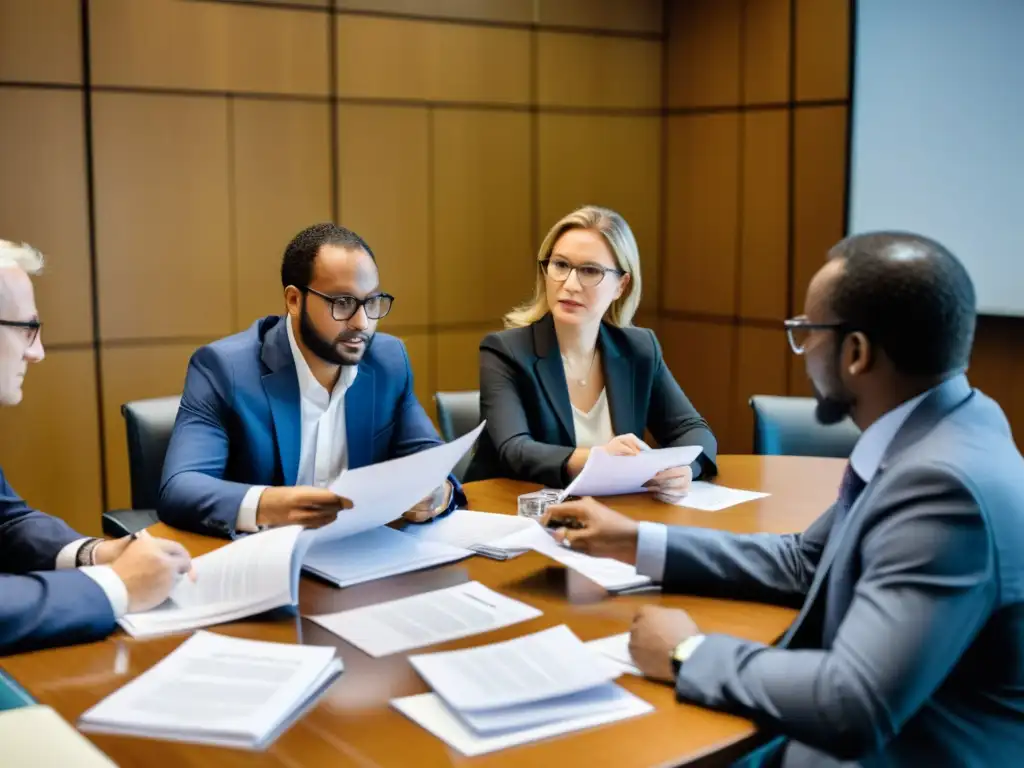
(239, 423)
(41, 607)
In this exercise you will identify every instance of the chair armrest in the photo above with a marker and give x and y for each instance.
(124, 522)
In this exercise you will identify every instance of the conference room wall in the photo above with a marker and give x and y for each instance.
(757, 99)
(164, 171)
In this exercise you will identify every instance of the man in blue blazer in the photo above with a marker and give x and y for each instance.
(58, 587)
(270, 416)
(909, 646)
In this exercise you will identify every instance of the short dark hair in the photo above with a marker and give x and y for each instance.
(911, 296)
(297, 264)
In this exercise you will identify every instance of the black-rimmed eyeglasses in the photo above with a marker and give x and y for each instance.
(589, 275)
(345, 307)
(30, 327)
(799, 330)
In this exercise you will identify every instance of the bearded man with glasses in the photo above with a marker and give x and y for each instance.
(270, 416)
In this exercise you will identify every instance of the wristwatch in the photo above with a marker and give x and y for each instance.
(684, 651)
(85, 556)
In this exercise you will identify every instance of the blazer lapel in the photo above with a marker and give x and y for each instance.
(551, 373)
(359, 408)
(619, 386)
(282, 387)
(948, 396)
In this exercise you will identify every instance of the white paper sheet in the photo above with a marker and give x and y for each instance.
(375, 554)
(426, 619)
(613, 575)
(215, 689)
(616, 648)
(431, 713)
(605, 475)
(534, 667)
(476, 531)
(248, 576)
(713, 498)
(384, 492)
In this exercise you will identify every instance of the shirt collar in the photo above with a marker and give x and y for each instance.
(871, 447)
(309, 387)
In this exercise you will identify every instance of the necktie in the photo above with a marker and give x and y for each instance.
(850, 489)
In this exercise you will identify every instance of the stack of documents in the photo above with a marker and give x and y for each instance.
(480, 532)
(710, 497)
(375, 554)
(606, 475)
(614, 575)
(219, 690)
(426, 619)
(250, 575)
(521, 690)
(261, 572)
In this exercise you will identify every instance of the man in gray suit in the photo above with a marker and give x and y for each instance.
(909, 646)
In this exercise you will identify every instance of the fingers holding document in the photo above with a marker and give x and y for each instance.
(304, 505)
(590, 527)
(671, 485)
(150, 568)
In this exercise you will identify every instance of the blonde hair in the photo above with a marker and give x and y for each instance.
(23, 256)
(616, 232)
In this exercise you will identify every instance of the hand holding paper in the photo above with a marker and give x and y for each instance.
(607, 475)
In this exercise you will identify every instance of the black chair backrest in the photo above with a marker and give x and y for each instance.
(787, 426)
(457, 414)
(149, 424)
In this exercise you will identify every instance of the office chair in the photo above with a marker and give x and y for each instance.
(786, 426)
(457, 414)
(148, 424)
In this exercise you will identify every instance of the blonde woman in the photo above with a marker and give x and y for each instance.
(571, 373)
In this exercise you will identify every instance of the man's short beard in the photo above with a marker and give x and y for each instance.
(326, 350)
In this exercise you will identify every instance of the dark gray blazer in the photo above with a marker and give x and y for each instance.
(525, 400)
(909, 646)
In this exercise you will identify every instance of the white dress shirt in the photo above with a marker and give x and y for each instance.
(595, 426)
(324, 452)
(103, 575)
(652, 538)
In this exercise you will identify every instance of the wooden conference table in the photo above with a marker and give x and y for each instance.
(353, 725)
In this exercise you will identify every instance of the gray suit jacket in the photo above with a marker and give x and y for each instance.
(909, 646)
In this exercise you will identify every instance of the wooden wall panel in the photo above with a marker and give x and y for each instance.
(135, 373)
(703, 56)
(761, 362)
(700, 356)
(385, 192)
(421, 357)
(822, 49)
(49, 445)
(604, 160)
(515, 11)
(458, 358)
(764, 217)
(484, 254)
(766, 51)
(211, 46)
(43, 202)
(701, 209)
(297, 3)
(632, 16)
(162, 216)
(399, 59)
(584, 71)
(819, 185)
(281, 163)
(40, 41)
